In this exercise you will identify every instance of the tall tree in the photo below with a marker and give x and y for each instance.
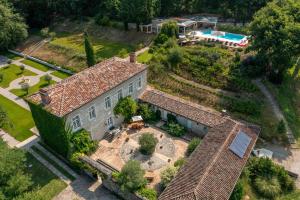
(276, 30)
(12, 26)
(89, 51)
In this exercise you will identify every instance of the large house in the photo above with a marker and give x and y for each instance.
(86, 100)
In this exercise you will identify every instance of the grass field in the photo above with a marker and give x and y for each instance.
(11, 73)
(33, 89)
(144, 57)
(61, 75)
(35, 65)
(288, 96)
(20, 118)
(48, 184)
(67, 48)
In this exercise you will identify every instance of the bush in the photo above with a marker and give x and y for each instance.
(131, 177)
(268, 188)
(48, 78)
(179, 163)
(1, 77)
(238, 192)
(192, 146)
(123, 53)
(127, 107)
(167, 175)
(147, 113)
(147, 143)
(160, 39)
(45, 32)
(103, 21)
(175, 129)
(281, 127)
(148, 193)
(82, 142)
(171, 118)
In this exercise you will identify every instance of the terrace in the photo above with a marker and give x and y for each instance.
(125, 147)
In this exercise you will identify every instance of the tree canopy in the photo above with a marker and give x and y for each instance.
(127, 107)
(89, 51)
(12, 26)
(276, 32)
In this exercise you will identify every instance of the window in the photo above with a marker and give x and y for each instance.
(139, 83)
(110, 122)
(107, 103)
(76, 123)
(92, 113)
(130, 89)
(120, 95)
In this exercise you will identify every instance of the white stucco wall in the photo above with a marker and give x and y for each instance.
(97, 127)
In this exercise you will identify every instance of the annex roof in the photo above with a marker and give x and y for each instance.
(213, 169)
(85, 86)
(182, 107)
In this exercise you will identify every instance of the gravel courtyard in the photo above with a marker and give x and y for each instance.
(125, 147)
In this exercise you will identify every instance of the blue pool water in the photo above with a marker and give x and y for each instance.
(227, 36)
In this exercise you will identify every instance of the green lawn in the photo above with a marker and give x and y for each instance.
(21, 120)
(36, 65)
(144, 57)
(55, 164)
(48, 184)
(103, 48)
(33, 89)
(11, 73)
(61, 75)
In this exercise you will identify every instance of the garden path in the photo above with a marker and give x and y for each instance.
(278, 113)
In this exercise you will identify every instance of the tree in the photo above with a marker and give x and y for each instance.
(276, 30)
(147, 143)
(48, 78)
(238, 192)
(12, 26)
(131, 177)
(175, 57)
(167, 175)
(170, 29)
(25, 87)
(127, 107)
(3, 118)
(22, 68)
(145, 111)
(18, 184)
(82, 142)
(281, 127)
(137, 11)
(192, 146)
(89, 51)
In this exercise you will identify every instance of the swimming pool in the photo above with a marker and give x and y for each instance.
(222, 36)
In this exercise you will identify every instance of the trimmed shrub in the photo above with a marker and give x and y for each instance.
(175, 129)
(192, 146)
(147, 143)
(238, 192)
(148, 193)
(167, 175)
(131, 177)
(268, 188)
(180, 162)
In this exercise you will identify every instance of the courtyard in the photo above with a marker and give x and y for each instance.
(125, 147)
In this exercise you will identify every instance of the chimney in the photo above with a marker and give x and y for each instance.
(44, 97)
(132, 57)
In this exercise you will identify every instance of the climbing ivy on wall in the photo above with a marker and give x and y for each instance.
(52, 129)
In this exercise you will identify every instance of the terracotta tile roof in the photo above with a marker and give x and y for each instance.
(87, 85)
(181, 107)
(213, 169)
